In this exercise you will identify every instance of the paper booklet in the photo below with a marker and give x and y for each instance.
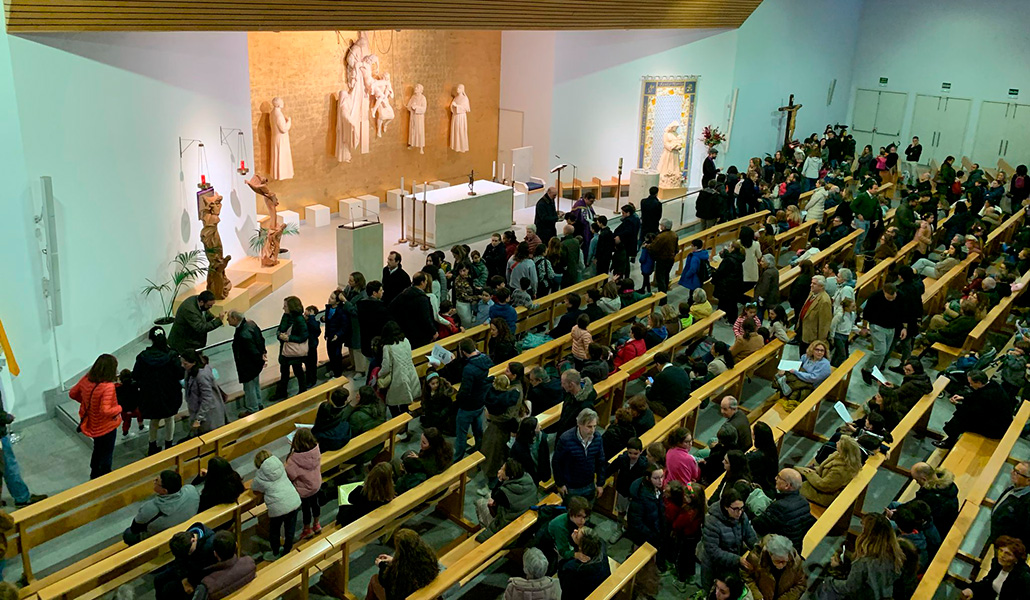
(441, 355)
(787, 365)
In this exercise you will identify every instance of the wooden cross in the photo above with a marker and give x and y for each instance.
(792, 114)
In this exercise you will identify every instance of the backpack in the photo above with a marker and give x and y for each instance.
(704, 272)
(1018, 182)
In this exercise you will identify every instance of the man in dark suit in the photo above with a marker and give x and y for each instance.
(738, 420)
(395, 278)
(650, 212)
(1011, 514)
(372, 314)
(250, 356)
(413, 311)
(547, 215)
(193, 322)
(987, 410)
(605, 246)
(671, 386)
(708, 168)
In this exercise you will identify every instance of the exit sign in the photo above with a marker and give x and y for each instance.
(1013, 92)
(883, 82)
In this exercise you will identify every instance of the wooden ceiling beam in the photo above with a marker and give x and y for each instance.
(25, 16)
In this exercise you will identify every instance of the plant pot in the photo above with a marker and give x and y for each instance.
(164, 321)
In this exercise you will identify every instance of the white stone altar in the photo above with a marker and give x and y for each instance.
(454, 216)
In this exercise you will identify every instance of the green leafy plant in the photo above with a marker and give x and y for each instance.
(186, 268)
(257, 241)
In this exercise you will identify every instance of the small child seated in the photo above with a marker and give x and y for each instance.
(686, 319)
(481, 311)
(448, 313)
(524, 295)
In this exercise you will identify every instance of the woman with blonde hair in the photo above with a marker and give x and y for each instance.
(609, 301)
(823, 482)
(412, 567)
(875, 565)
(797, 384)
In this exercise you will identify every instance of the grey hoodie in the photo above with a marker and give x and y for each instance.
(161, 512)
(280, 496)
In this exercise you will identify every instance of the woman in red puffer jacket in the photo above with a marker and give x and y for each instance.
(99, 412)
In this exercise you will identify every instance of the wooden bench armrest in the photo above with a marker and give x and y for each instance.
(624, 574)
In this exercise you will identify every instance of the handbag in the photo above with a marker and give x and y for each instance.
(383, 381)
(294, 349)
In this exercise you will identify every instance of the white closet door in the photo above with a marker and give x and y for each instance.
(952, 128)
(925, 120)
(863, 117)
(991, 129)
(1016, 150)
(889, 114)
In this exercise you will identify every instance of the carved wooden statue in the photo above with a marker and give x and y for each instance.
(274, 231)
(210, 215)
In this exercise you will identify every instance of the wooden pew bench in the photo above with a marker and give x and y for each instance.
(470, 558)
(73, 509)
(120, 563)
(712, 237)
(621, 582)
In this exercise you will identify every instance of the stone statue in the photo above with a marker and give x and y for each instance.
(382, 111)
(670, 171)
(459, 121)
(359, 61)
(282, 157)
(210, 215)
(269, 255)
(344, 126)
(417, 127)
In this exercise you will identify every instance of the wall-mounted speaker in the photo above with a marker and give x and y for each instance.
(52, 281)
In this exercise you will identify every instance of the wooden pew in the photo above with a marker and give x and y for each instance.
(550, 308)
(801, 420)
(330, 554)
(995, 320)
(714, 236)
(788, 274)
(874, 278)
(936, 294)
(72, 509)
(674, 343)
(1003, 233)
(103, 572)
(850, 500)
(975, 499)
(620, 583)
(471, 557)
(795, 238)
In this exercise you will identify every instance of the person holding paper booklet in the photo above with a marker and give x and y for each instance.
(886, 316)
(359, 499)
(797, 384)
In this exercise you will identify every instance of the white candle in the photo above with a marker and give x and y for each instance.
(493, 172)
(620, 162)
(513, 172)
(402, 185)
(425, 193)
(504, 169)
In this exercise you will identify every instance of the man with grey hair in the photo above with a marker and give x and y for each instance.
(775, 569)
(736, 418)
(663, 250)
(578, 394)
(579, 465)
(789, 515)
(1011, 514)
(532, 239)
(250, 355)
(815, 315)
(767, 290)
(536, 583)
(543, 391)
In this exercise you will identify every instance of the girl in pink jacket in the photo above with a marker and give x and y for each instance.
(304, 468)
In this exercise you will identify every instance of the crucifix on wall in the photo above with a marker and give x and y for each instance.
(792, 114)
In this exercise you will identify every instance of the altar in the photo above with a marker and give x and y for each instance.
(453, 216)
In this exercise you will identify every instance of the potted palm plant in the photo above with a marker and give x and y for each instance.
(186, 268)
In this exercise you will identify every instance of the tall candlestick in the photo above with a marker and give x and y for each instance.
(620, 162)
(493, 172)
(513, 172)
(425, 230)
(504, 169)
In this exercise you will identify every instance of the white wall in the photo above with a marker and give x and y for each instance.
(527, 71)
(790, 47)
(101, 114)
(595, 102)
(982, 49)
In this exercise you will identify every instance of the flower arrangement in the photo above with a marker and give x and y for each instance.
(711, 136)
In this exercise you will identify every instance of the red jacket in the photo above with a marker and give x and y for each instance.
(628, 352)
(98, 407)
(682, 521)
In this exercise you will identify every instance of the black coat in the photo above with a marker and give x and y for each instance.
(1014, 588)
(248, 350)
(604, 250)
(545, 395)
(670, 388)
(545, 218)
(1011, 517)
(645, 517)
(496, 260)
(728, 280)
(943, 503)
(337, 324)
(708, 170)
(650, 214)
(372, 314)
(413, 311)
(394, 283)
(627, 232)
(707, 204)
(789, 515)
(157, 374)
(987, 411)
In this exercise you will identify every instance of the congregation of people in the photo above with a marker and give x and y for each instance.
(736, 540)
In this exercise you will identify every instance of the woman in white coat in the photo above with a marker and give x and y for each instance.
(398, 369)
(815, 210)
(752, 255)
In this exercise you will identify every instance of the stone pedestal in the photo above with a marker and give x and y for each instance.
(641, 180)
(316, 215)
(352, 209)
(438, 185)
(290, 217)
(360, 249)
(370, 205)
(393, 198)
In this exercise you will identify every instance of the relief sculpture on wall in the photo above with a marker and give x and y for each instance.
(382, 110)
(417, 126)
(459, 121)
(210, 215)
